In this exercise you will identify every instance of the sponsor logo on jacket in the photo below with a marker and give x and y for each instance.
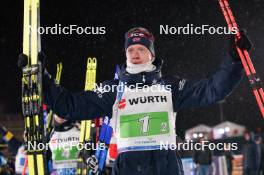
(148, 99)
(67, 139)
(141, 100)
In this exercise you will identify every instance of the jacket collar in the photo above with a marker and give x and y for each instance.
(144, 78)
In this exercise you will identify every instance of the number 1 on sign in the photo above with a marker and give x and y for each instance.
(144, 124)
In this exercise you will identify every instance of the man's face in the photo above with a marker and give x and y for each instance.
(138, 54)
(247, 136)
(258, 140)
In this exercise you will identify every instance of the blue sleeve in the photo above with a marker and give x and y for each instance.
(76, 106)
(208, 91)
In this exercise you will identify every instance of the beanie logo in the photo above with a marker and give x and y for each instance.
(136, 35)
(137, 39)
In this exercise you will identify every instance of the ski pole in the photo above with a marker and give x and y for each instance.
(25, 166)
(254, 79)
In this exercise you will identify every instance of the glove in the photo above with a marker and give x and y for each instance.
(92, 163)
(23, 60)
(243, 43)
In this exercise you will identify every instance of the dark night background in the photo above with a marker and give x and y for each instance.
(189, 56)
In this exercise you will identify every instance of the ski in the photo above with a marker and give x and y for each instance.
(32, 91)
(104, 139)
(254, 79)
(48, 116)
(58, 74)
(103, 145)
(85, 134)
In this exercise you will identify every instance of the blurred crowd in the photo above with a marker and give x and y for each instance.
(252, 151)
(13, 155)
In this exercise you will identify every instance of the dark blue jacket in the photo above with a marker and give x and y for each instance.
(185, 94)
(250, 156)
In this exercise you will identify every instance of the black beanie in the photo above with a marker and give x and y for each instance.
(140, 35)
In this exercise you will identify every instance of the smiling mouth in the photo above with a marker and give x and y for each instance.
(135, 58)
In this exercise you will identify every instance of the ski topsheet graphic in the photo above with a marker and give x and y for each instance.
(32, 91)
(85, 134)
(254, 79)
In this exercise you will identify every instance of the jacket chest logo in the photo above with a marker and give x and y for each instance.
(122, 104)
